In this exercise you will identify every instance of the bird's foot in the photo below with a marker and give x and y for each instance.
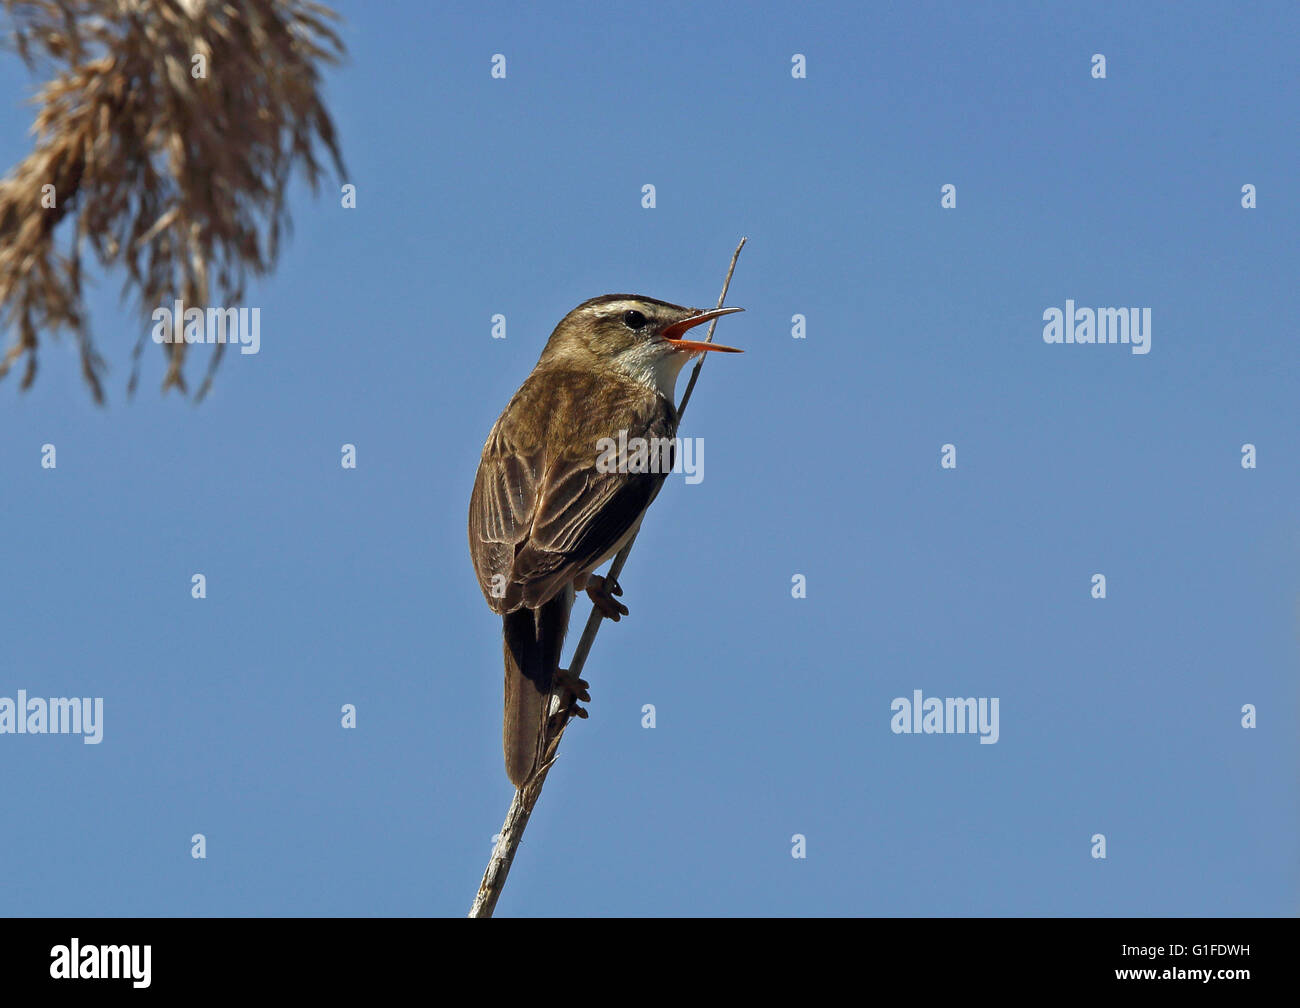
(575, 689)
(572, 684)
(601, 591)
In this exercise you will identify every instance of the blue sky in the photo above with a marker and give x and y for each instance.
(522, 197)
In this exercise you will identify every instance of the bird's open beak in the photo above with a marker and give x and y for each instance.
(674, 332)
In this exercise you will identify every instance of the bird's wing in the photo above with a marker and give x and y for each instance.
(542, 511)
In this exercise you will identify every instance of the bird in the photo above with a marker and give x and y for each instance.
(551, 504)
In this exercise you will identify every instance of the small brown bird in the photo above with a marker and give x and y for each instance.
(548, 507)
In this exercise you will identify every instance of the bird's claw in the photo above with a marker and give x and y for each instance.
(601, 591)
(578, 687)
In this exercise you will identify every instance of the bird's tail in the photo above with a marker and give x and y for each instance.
(533, 640)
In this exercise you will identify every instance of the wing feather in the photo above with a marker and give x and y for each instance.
(541, 512)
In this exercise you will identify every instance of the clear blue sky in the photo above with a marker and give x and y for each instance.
(523, 197)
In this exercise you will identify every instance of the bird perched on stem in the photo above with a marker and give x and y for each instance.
(548, 507)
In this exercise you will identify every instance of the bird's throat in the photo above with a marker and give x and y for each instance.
(654, 367)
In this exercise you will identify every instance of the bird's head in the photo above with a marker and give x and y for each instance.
(639, 336)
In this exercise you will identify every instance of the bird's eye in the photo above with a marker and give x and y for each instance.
(634, 320)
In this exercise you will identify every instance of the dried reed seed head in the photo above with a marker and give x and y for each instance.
(174, 175)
